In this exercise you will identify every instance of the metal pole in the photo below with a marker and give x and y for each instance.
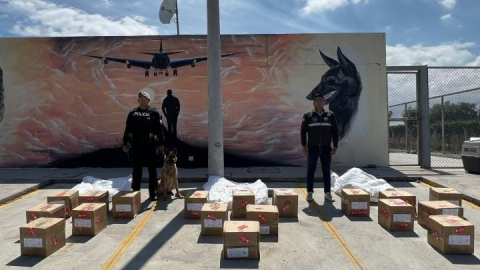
(443, 126)
(215, 112)
(423, 113)
(406, 129)
(176, 15)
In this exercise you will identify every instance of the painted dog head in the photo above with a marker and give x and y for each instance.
(341, 87)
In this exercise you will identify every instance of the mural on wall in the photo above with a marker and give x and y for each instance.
(64, 101)
(340, 86)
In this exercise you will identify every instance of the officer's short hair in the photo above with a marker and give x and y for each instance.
(318, 95)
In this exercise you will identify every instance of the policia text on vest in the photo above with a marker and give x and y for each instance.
(144, 137)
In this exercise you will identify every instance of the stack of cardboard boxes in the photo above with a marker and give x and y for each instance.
(241, 238)
(45, 229)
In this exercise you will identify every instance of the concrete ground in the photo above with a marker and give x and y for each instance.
(321, 238)
(436, 161)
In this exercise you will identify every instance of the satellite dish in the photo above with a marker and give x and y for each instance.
(167, 10)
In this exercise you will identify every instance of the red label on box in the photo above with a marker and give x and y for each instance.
(359, 212)
(286, 208)
(245, 240)
(262, 218)
(194, 214)
(33, 216)
(212, 217)
(122, 214)
(46, 207)
(452, 221)
(89, 199)
(460, 230)
(54, 241)
(82, 215)
(243, 227)
(403, 225)
(386, 214)
(244, 204)
(99, 221)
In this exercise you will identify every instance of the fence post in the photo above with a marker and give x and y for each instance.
(423, 117)
(443, 126)
(406, 129)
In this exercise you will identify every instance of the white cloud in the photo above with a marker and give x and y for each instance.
(313, 6)
(448, 54)
(4, 16)
(48, 19)
(446, 17)
(475, 62)
(107, 3)
(412, 29)
(448, 4)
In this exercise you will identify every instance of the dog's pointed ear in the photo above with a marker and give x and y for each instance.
(329, 61)
(345, 63)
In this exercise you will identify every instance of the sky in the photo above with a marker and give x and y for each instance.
(431, 32)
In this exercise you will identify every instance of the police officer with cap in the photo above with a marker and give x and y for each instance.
(318, 132)
(143, 139)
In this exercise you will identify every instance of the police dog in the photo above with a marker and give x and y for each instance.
(340, 86)
(169, 179)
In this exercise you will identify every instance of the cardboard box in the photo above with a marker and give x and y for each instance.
(42, 237)
(266, 215)
(446, 194)
(396, 215)
(241, 240)
(46, 210)
(355, 202)
(94, 196)
(213, 216)
(126, 204)
(286, 201)
(430, 208)
(241, 198)
(194, 203)
(69, 198)
(451, 234)
(399, 194)
(89, 219)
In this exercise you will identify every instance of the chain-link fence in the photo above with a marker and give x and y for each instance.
(454, 112)
(402, 131)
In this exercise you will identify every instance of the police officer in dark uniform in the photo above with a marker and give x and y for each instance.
(171, 110)
(143, 139)
(322, 130)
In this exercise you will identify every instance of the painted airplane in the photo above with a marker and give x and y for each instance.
(160, 62)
